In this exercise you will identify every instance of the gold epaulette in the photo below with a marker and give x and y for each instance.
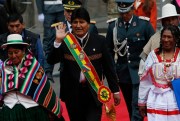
(56, 24)
(93, 22)
(111, 20)
(144, 18)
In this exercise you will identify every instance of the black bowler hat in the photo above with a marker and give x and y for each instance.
(71, 4)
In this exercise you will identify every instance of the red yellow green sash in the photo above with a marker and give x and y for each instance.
(103, 92)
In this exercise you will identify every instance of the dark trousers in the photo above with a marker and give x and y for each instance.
(130, 93)
(83, 107)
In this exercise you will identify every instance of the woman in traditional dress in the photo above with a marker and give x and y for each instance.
(25, 89)
(156, 95)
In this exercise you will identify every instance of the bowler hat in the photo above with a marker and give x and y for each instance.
(71, 4)
(124, 5)
(14, 39)
(168, 10)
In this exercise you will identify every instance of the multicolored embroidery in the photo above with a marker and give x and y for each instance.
(29, 79)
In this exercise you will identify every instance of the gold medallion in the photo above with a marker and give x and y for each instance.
(73, 46)
(81, 56)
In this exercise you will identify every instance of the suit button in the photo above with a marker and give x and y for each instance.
(127, 47)
(129, 61)
(128, 54)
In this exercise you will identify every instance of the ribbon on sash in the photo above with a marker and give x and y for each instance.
(103, 92)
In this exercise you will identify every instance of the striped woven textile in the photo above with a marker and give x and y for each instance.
(29, 79)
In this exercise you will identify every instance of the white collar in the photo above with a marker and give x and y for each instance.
(82, 38)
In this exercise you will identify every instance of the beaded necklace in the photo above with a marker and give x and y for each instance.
(165, 62)
(167, 65)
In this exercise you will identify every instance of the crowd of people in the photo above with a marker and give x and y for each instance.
(134, 57)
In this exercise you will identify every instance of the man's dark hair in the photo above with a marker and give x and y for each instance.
(81, 13)
(14, 17)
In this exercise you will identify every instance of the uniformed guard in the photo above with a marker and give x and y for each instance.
(126, 37)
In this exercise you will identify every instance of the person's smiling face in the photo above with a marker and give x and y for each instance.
(80, 27)
(167, 40)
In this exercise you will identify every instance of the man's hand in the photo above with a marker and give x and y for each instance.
(143, 111)
(117, 99)
(60, 32)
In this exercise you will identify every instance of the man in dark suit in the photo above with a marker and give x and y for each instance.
(126, 37)
(80, 99)
(69, 7)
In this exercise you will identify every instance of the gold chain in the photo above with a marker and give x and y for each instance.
(83, 46)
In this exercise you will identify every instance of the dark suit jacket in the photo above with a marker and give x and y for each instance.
(99, 56)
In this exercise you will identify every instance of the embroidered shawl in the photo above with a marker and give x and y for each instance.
(29, 79)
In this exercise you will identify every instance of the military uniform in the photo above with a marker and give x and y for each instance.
(127, 59)
(126, 42)
(137, 36)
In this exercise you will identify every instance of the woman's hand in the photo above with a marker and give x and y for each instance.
(60, 32)
(143, 111)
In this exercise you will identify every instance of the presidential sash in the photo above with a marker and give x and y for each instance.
(29, 79)
(103, 92)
